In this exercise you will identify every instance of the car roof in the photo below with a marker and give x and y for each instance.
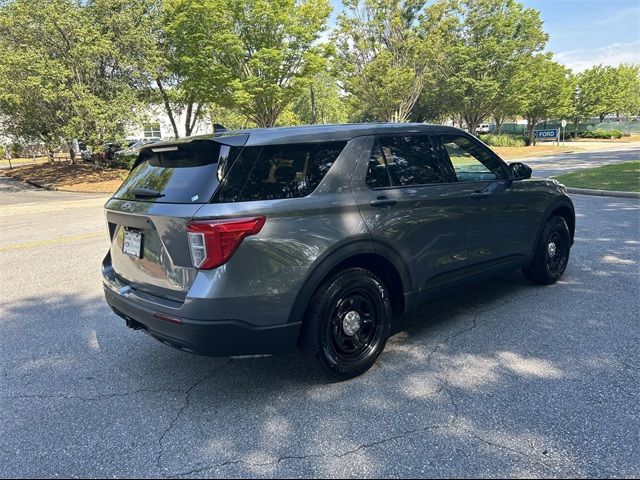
(315, 133)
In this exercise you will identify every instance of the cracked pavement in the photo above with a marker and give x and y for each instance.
(503, 379)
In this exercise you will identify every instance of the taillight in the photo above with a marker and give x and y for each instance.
(212, 242)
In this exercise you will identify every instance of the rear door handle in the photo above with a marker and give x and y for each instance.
(480, 194)
(383, 202)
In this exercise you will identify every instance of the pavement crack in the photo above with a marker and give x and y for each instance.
(341, 455)
(185, 405)
(513, 450)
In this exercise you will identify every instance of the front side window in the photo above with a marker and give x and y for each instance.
(469, 160)
(281, 171)
(410, 160)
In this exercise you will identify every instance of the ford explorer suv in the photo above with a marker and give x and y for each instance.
(257, 241)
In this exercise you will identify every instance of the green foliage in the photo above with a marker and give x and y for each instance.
(16, 150)
(68, 68)
(602, 134)
(385, 55)
(253, 57)
(320, 103)
(544, 90)
(485, 49)
(503, 140)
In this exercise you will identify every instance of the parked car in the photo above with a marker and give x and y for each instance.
(126, 157)
(483, 128)
(253, 242)
(106, 152)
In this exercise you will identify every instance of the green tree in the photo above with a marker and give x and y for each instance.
(385, 54)
(627, 90)
(68, 68)
(544, 90)
(322, 102)
(597, 90)
(488, 41)
(253, 57)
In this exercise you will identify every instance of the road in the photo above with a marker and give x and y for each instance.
(571, 162)
(502, 379)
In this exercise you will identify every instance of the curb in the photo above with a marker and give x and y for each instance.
(603, 193)
(53, 189)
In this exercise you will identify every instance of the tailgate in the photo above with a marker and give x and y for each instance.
(160, 265)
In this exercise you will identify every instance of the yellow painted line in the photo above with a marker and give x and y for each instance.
(53, 241)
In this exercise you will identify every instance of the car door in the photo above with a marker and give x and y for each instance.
(496, 210)
(409, 206)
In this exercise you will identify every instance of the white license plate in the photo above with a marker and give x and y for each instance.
(132, 243)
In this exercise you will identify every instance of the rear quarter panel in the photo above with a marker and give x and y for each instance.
(268, 270)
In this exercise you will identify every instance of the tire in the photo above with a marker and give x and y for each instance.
(552, 253)
(338, 342)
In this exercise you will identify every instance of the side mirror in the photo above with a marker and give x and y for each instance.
(519, 171)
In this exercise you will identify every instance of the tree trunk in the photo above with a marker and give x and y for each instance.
(530, 128)
(167, 107)
(313, 106)
(189, 126)
(187, 119)
(601, 116)
(576, 123)
(72, 154)
(498, 121)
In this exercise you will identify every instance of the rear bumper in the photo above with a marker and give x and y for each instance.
(219, 338)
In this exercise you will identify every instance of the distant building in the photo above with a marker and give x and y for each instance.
(157, 124)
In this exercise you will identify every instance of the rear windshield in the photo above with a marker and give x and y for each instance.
(185, 173)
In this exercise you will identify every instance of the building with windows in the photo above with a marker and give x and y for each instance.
(156, 124)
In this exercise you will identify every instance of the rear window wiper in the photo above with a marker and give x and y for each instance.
(146, 193)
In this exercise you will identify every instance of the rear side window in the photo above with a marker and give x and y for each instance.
(280, 171)
(185, 173)
(410, 160)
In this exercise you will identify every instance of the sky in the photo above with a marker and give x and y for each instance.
(583, 33)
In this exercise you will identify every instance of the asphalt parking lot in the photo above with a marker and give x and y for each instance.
(502, 379)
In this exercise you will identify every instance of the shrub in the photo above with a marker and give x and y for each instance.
(124, 161)
(16, 150)
(602, 134)
(503, 140)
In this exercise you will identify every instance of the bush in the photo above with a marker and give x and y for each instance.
(124, 161)
(16, 150)
(503, 140)
(602, 134)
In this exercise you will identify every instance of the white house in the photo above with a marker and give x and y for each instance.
(156, 123)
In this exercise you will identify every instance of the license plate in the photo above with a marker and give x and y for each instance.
(132, 243)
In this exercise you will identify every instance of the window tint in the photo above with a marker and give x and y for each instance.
(377, 175)
(470, 162)
(411, 160)
(187, 173)
(282, 171)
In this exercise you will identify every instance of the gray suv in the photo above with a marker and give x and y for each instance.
(255, 241)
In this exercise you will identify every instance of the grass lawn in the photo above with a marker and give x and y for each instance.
(63, 176)
(621, 177)
(20, 161)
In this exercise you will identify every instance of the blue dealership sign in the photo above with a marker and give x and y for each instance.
(548, 134)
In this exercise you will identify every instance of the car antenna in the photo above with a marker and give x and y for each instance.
(218, 128)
